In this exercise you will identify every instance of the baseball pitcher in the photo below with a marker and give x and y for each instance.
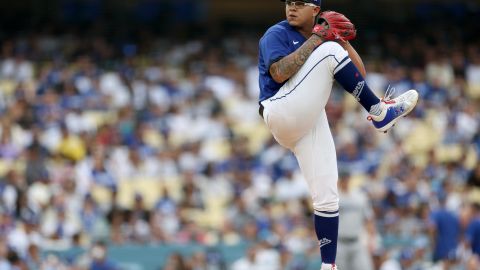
(299, 58)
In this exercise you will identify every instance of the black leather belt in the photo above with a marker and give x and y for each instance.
(260, 110)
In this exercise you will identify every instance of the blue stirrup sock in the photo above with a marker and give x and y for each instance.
(353, 82)
(326, 228)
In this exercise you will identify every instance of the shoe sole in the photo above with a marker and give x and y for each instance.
(388, 126)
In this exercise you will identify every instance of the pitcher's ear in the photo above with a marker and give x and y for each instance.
(318, 13)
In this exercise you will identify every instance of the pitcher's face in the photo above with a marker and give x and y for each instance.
(300, 14)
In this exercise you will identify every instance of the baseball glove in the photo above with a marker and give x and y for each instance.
(331, 25)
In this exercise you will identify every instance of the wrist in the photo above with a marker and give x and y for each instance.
(317, 40)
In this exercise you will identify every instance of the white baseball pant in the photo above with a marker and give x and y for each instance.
(296, 118)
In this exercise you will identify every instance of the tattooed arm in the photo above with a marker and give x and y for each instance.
(286, 67)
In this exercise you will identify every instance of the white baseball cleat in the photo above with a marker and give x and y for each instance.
(394, 109)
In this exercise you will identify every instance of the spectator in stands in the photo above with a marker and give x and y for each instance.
(355, 214)
(175, 262)
(444, 231)
(4, 264)
(472, 234)
(100, 261)
(248, 262)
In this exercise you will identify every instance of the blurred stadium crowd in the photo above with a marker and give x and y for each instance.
(160, 142)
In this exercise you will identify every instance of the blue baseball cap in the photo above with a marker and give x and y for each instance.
(316, 2)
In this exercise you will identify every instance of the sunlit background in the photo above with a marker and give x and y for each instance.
(130, 139)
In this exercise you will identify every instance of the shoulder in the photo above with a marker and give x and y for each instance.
(278, 29)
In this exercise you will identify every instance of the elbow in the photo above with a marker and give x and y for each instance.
(277, 76)
(278, 79)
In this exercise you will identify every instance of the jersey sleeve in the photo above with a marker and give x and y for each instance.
(273, 47)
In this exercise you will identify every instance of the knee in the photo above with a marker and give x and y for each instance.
(333, 49)
(327, 205)
(331, 46)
